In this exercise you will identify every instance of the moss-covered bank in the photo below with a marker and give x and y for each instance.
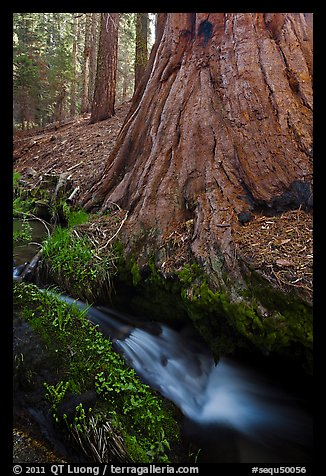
(136, 423)
(258, 317)
(262, 318)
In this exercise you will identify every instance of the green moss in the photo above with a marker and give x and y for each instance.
(42, 201)
(284, 326)
(24, 201)
(149, 293)
(87, 362)
(189, 274)
(136, 276)
(290, 323)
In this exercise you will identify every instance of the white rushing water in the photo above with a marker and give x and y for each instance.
(228, 393)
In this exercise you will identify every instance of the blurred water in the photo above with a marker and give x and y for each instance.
(228, 404)
(235, 412)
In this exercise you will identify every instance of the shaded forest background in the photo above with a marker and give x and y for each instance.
(55, 62)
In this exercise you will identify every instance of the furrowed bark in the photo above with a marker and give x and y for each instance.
(221, 125)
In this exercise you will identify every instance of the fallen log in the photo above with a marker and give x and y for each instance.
(29, 269)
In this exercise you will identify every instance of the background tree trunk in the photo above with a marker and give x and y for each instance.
(87, 47)
(73, 94)
(141, 56)
(105, 84)
(223, 128)
(93, 56)
(59, 105)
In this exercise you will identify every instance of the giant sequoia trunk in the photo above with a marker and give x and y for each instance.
(220, 127)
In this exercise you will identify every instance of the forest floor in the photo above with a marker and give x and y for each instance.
(76, 147)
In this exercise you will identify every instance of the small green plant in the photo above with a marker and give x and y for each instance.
(55, 395)
(77, 217)
(24, 235)
(73, 262)
(79, 418)
(86, 361)
(16, 178)
(136, 276)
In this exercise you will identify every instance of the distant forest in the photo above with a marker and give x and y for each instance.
(55, 63)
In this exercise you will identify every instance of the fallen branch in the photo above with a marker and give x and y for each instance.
(29, 268)
(115, 234)
(69, 199)
(74, 166)
(34, 217)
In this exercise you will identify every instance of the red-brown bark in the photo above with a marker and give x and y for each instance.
(221, 125)
(105, 83)
(84, 101)
(141, 53)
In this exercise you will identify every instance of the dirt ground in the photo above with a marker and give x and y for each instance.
(77, 148)
(29, 450)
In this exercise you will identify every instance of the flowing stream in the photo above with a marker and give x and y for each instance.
(231, 407)
(234, 411)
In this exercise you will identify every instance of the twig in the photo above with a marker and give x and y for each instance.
(113, 203)
(35, 243)
(34, 217)
(71, 196)
(74, 166)
(76, 234)
(95, 255)
(115, 234)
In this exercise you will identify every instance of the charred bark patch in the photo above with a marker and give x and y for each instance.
(244, 217)
(205, 31)
(299, 194)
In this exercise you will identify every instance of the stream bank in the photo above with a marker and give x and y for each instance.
(86, 259)
(238, 414)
